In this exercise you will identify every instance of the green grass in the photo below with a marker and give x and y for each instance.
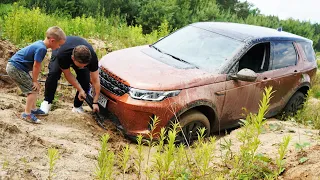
(197, 161)
(316, 86)
(21, 30)
(55, 102)
(105, 160)
(53, 156)
(310, 113)
(4, 10)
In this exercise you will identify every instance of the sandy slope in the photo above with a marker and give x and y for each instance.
(23, 146)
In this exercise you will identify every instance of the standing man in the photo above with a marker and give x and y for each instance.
(78, 54)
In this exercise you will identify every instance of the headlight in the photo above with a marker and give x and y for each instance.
(152, 95)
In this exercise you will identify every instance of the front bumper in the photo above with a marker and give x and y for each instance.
(133, 117)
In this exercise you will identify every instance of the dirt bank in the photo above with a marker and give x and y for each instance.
(7, 49)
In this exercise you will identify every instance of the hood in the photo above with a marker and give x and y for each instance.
(143, 67)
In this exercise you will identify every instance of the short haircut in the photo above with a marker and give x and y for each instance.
(56, 33)
(82, 54)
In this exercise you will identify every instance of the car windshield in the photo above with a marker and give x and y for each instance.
(201, 48)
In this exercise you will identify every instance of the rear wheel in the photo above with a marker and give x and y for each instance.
(190, 123)
(295, 103)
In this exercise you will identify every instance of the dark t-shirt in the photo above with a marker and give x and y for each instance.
(64, 53)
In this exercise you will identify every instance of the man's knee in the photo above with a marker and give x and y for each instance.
(85, 85)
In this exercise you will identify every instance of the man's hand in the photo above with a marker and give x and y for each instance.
(95, 108)
(82, 95)
(36, 86)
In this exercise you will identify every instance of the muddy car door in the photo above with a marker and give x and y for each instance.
(244, 92)
(285, 73)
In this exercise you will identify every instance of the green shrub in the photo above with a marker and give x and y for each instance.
(105, 162)
(247, 164)
(21, 30)
(310, 113)
(316, 86)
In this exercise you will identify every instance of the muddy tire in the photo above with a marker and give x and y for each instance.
(294, 104)
(190, 122)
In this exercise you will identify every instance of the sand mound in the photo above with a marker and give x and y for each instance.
(7, 49)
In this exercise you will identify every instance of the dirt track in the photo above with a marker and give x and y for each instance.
(23, 146)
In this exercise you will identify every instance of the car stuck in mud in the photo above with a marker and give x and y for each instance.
(203, 75)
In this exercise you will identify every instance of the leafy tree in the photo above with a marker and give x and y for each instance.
(155, 12)
(150, 14)
(241, 9)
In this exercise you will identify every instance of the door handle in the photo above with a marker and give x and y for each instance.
(266, 79)
(220, 93)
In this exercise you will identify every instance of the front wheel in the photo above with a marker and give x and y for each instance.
(295, 103)
(190, 123)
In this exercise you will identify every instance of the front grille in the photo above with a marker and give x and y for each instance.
(111, 84)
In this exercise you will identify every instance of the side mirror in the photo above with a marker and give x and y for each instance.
(245, 75)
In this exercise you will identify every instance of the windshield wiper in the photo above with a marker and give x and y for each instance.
(155, 48)
(179, 59)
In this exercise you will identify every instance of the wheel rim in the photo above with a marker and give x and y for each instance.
(190, 132)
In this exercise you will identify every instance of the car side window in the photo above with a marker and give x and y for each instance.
(256, 59)
(308, 50)
(284, 55)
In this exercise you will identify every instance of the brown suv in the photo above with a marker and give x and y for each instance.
(202, 75)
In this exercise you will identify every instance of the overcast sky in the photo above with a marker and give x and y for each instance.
(304, 10)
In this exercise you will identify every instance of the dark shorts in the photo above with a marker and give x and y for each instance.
(21, 78)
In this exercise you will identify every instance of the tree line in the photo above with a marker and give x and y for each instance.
(178, 13)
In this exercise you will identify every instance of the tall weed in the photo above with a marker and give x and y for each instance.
(165, 154)
(247, 163)
(124, 157)
(172, 161)
(53, 156)
(105, 163)
(23, 26)
(281, 152)
(316, 84)
(140, 156)
(310, 113)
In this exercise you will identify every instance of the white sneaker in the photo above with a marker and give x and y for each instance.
(78, 110)
(45, 107)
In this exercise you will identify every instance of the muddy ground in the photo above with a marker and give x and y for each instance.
(23, 146)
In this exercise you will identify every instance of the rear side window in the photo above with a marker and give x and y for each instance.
(308, 50)
(284, 55)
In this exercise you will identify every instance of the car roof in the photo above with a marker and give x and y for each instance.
(245, 32)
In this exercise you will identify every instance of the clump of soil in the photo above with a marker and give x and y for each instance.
(304, 164)
(7, 49)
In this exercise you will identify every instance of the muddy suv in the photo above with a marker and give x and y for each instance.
(203, 75)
